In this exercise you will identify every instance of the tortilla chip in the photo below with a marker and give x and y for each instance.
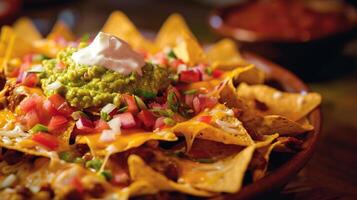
(193, 128)
(227, 92)
(293, 106)
(48, 48)
(249, 74)
(61, 30)
(34, 173)
(223, 176)
(271, 124)
(264, 153)
(119, 24)
(173, 29)
(25, 26)
(189, 50)
(148, 181)
(225, 55)
(123, 142)
(15, 45)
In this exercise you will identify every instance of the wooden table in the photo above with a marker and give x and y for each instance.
(331, 173)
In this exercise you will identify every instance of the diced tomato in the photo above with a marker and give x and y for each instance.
(189, 99)
(175, 63)
(77, 184)
(31, 103)
(126, 119)
(46, 140)
(196, 105)
(84, 125)
(57, 122)
(60, 104)
(130, 101)
(159, 123)
(101, 125)
(138, 122)
(216, 73)
(190, 76)
(31, 119)
(30, 79)
(207, 102)
(147, 118)
(205, 118)
(48, 107)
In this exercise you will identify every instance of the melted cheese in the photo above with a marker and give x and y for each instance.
(126, 140)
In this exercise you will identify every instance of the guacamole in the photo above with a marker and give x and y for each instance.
(93, 86)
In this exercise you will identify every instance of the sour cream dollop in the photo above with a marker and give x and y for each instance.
(112, 53)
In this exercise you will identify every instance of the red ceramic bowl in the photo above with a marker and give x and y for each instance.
(280, 176)
(314, 59)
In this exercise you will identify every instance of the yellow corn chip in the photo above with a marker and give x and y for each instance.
(119, 24)
(225, 55)
(25, 26)
(271, 124)
(223, 176)
(293, 106)
(148, 181)
(173, 29)
(15, 45)
(59, 30)
(189, 50)
(193, 128)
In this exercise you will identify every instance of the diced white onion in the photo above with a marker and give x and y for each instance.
(108, 136)
(54, 86)
(228, 127)
(181, 67)
(14, 133)
(36, 69)
(108, 108)
(111, 149)
(8, 181)
(115, 125)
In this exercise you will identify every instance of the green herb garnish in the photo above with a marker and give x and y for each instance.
(162, 112)
(169, 121)
(190, 92)
(95, 164)
(38, 128)
(78, 114)
(66, 156)
(208, 71)
(140, 103)
(123, 109)
(173, 101)
(171, 54)
(107, 175)
(105, 116)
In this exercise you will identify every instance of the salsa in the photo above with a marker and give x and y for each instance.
(290, 20)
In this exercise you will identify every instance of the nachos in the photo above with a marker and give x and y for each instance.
(115, 115)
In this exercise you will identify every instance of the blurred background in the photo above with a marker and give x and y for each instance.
(316, 39)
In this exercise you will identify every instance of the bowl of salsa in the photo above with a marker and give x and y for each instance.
(299, 34)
